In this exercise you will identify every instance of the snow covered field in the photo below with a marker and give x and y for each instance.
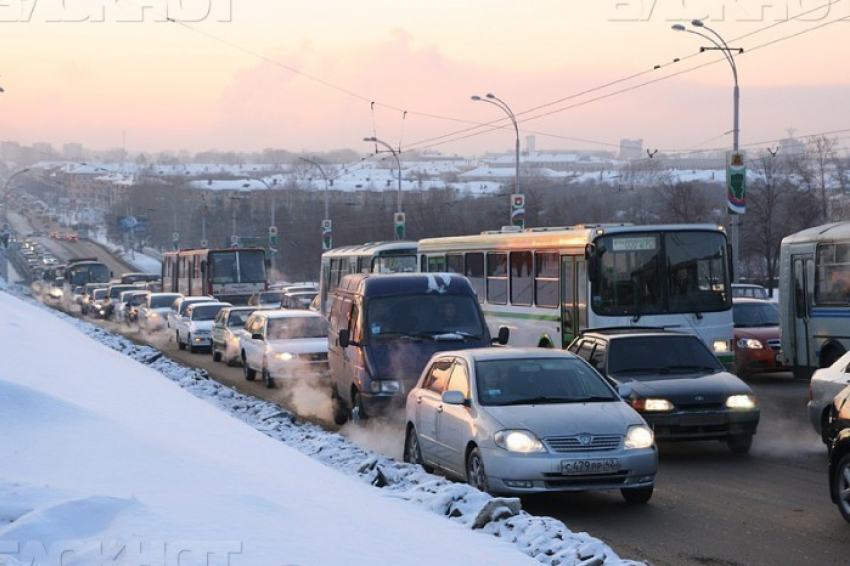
(114, 454)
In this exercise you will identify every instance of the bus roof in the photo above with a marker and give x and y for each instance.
(823, 233)
(371, 248)
(555, 237)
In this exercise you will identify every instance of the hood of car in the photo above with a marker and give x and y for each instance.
(762, 333)
(566, 419)
(713, 388)
(299, 345)
(201, 324)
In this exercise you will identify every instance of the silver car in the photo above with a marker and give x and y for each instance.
(826, 383)
(523, 420)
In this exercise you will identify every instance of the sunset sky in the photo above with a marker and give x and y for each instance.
(246, 75)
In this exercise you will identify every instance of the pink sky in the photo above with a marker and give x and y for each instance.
(304, 77)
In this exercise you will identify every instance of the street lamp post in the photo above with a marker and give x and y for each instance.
(399, 221)
(719, 44)
(6, 195)
(327, 226)
(518, 202)
(272, 226)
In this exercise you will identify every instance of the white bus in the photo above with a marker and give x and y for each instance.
(547, 284)
(372, 257)
(814, 297)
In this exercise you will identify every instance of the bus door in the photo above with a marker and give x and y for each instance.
(803, 270)
(573, 297)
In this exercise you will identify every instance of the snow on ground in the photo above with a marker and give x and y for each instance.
(113, 454)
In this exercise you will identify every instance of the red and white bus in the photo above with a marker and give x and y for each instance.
(228, 274)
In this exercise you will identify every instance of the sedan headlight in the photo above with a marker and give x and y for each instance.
(652, 405)
(741, 402)
(749, 344)
(639, 436)
(521, 441)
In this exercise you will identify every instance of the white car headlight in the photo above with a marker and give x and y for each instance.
(652, 405)
(639, 436)
(521, 441)
(720, 346)
(284, 356)
(749, 344)
(744, 402)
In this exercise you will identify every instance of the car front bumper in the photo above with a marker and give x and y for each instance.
(533, 473)
(703, 425)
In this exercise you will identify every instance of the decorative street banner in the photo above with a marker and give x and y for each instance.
(518, 210)
(736, 182)
(399, 225)
(327, 235)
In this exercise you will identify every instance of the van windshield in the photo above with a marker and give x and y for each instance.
(438, 317)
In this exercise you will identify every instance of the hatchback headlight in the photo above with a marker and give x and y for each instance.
(521, 441)
(639, 436)
(749, 344)
(385, 386)
(741, 402)
(652, 405)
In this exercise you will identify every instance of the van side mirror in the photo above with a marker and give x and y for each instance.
(344, 338)
(502, 338)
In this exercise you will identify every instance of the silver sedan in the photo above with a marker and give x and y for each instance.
(517, 420)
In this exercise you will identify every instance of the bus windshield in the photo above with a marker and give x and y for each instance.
(660, 273)
(238, 266)
(87, 273)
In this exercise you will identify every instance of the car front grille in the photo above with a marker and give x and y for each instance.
(583, 443)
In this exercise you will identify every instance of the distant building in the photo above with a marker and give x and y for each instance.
(44, 151)
(73, 151)
(631, 149)
(791, 147)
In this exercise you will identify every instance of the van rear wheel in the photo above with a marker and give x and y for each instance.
(340, 411)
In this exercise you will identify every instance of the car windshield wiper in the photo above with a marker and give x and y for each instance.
(592, 399)
(540, 400)
(397, 335)
(694, 368)
(627, 371)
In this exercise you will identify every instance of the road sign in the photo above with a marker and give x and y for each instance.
(272, 236)
(204, 243)
(234, 241)
(175, 237)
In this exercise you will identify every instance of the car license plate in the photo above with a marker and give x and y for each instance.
(589, 467)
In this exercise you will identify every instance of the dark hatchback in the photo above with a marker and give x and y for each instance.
(674, 381)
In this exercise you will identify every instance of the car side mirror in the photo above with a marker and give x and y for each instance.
(504, 335)
(625, 390)
(453, 398)
(257, 336)
(344, 338)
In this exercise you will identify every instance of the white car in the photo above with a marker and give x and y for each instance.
(178, 310)
(152, 315)
(284, 344)
(227, 327)
(826, 383)
(194, 329)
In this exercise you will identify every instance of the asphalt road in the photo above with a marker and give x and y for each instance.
(710, 507)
